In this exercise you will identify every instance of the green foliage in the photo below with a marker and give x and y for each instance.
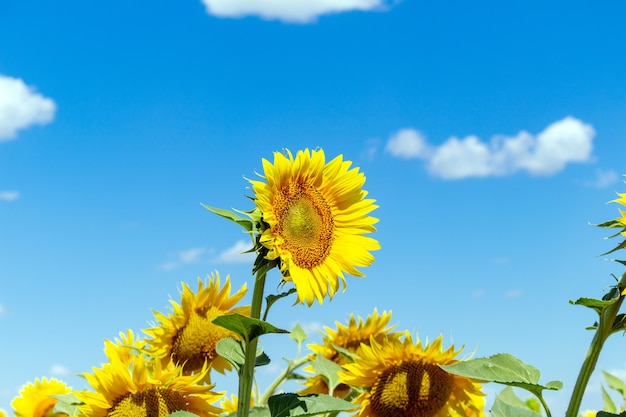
(248, 223)
(507, 404)
(232, 350)
(246, 327)
(291, 405)
(605, 414)
(298, 334)
(328, 370)
(182, 414)
(67, 404)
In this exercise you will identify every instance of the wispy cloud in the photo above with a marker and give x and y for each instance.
(9, 195)
(21, 107)
(563, 142)
(2, 310)
(514, 293)
(60, 370)
(235, 254)
(182, 258)
(300, 11)
(603, 179)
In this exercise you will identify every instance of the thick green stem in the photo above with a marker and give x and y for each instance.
(604, 330)
(246, 374)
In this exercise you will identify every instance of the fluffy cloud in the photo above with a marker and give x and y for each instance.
(60, 370)
(182, 258)
(235, 254)
(565, 141)
(299, 11)
(21, 107)
(9, 195)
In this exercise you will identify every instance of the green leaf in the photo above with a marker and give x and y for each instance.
(607, 401)
(598, 305)
(605, 414)
(272, 298)
(67, 404)
(619, 324)
(610, 223)
(182, 414)
(231, 350)
(255, 412)
(328, 370)
(622, 245)
(247, 224)
(284, 405)
(505, 369)
(298, 334)
(615, 383)
(507, 404)
(246, 327)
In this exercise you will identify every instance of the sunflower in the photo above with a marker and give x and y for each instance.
(36, 400)
(134, 385)
(315, 216)
(187, 336)
(230, 405)
(350, 338)
(403, 379)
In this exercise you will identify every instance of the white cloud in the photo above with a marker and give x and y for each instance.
(235, 254)
(603, 179)
(9, 195)
(184, 257)
(2, 310)
(514, 293)
(21, 106)
(60, 370)
(407, 144)
(565, 141)
(298, 11)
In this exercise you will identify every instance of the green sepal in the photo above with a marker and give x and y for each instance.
(182, 414)
(597, 305)
(507, 404)
(622, 245)
(290, 404)
(610, 224)
(503, 368)
(247, 223)
(66, 404)
(605, 414)
(328, 370)
(232, 350)
(351, 356)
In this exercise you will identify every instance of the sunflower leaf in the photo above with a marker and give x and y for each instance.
(605, 414)
(231, 350)
(246, 327)
(291, 405)
(505, 369)
(272, 298)
(182, 414)
(66, 404)
(598, 305)
(508, 404)
(328, 370)
(298, 334)
(241, 221)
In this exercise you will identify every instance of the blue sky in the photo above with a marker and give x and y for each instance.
(491, 135)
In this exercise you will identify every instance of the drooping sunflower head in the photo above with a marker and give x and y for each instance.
(187, 336)
(403, 379)
(349, 338)
(35, 399)
(317, 217)
(135, 385)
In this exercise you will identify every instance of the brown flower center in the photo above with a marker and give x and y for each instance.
(150, 403)
(410, 389)
(305, 223)
(195, 343)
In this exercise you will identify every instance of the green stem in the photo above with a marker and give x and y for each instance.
(545, 405)
(293, 365)
(604, 330)
(246, 374)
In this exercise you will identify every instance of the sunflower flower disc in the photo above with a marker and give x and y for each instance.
(188, 336)
(317, 217)
(403, 379)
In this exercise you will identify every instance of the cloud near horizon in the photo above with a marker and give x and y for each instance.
(301, 11)
(562, 142)
(21, 107)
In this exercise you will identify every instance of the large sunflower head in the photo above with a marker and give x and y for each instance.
(187, 335)
(316, 218)
(403, 379)
(36, 399)
(349, 338)
(134, 385)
